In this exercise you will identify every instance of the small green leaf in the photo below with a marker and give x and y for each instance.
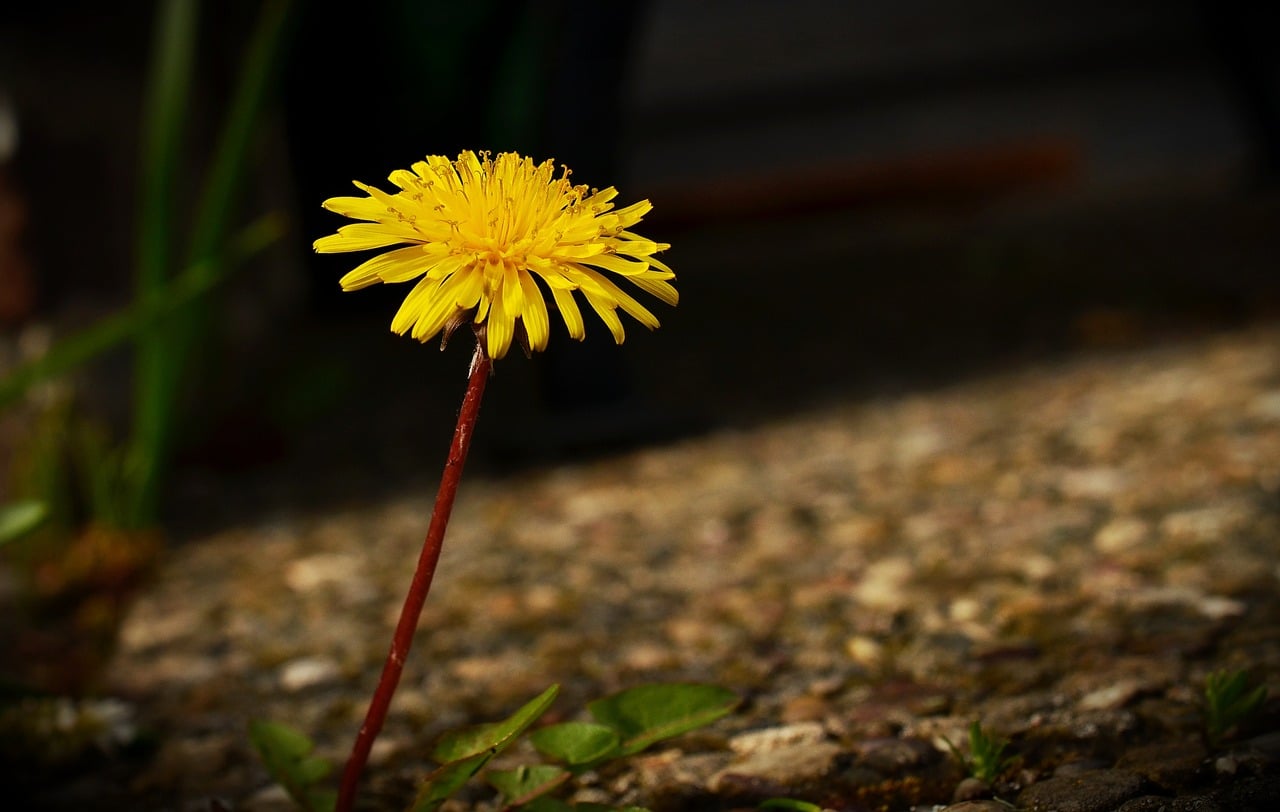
(465, 752)
(1229, 700)
(650, 713)
(790, 803)
(575, 743)
(460, 744)
(523, 784)
(287, 755)
(19, 518)
(447, 780)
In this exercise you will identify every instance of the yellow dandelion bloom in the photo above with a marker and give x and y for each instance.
(481, 232)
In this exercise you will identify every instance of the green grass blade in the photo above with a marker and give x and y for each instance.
(17, 519)
(167, 99)
(226, 173)
(168, 360)
(83, 346)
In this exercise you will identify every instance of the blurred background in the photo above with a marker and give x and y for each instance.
(862, 198)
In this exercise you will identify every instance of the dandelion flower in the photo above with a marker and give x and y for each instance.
(486, 238)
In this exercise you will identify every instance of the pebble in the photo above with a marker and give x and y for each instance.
(970, 789)
(782, 766)
(777, 738)
(1112, 697)
(1121, 535)
(1091, 791)
(307, 672)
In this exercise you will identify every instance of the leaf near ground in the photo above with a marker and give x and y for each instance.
(465, 752)
(523, 784)
(19, 518)
(650, 713)
(576, 743)
(287, 755)
(790, 804)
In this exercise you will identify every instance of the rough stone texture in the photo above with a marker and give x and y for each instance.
(1093, 791)
(1062, 553)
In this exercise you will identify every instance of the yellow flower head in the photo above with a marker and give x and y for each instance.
(480, 230)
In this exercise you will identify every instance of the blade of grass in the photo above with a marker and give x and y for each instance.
(81, 347)
(217, 201)
(167, 95)
(226, 173)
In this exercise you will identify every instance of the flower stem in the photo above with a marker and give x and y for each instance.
(421, 584)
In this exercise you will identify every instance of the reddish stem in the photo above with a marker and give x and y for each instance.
(426, 570)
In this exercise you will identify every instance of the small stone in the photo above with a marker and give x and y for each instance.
(776, 738)
(1111, 697)
(669, 771)
(315, 571)
(1121, 535)
(970, 789)
(306, 672)
(783, 767)
(1092, 791)
(1226, 765)
(865, 651)
(804, 708)
(1171, 764)
(882, 585)
(1092, 483)
(1203, 525)
(273, 798)
(895, 756)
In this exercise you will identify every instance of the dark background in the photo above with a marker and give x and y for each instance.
(862, 198)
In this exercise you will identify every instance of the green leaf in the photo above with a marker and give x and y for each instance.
(523, 784)
(1229, 701)
(287, 755)
(576, 743)
(447, 780)
(650, 713)
(165, 112)
(20, 518)
(460, 744)
(465, 752)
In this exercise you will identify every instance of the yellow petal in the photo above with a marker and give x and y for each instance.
(534, 315)
(656, 287)
(414, 305)
(400, 265)
(363, 236)
(612, 262)
(629, 305)
(512, 293)
(569, 312)
(608, 316)
(357, 208)
(441, 307)
(501, 329)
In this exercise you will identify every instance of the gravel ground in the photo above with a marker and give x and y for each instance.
(1063, 553)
